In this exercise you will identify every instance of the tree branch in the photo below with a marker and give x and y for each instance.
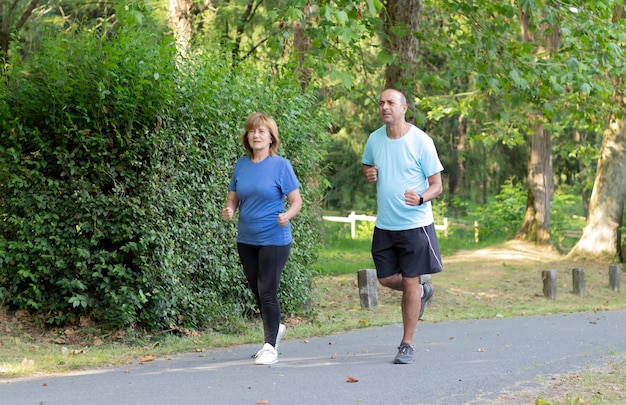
(26, 15)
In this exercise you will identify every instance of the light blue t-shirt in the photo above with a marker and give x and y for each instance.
(403, 164)
(261, 189)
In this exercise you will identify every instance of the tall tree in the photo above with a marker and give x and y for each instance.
(181, 21)
(536, 223)
(601, 235)
(401, 26)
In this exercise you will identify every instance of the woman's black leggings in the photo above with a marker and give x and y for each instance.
(263, 267)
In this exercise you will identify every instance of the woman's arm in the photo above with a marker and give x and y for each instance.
(232, 202)
(295, 204)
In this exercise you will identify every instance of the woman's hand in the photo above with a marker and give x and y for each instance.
(227, 214)
(283, 219)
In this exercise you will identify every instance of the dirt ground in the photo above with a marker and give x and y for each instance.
(602, 384)
(598, 385)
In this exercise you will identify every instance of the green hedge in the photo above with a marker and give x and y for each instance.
(114, 163)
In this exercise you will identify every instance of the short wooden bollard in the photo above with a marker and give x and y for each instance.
(368, 288)
(578, 280)
(549, 283)
(615, 275)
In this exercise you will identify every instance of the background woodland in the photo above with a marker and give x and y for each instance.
(119, 127)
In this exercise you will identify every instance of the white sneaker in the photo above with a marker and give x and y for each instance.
(267, 355)
(281, 332)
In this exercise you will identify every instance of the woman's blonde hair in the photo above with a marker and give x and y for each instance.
(254, 121)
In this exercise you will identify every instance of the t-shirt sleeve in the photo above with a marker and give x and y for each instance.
(288, 180)
(430, 159)
(233, 182)
(368, 157)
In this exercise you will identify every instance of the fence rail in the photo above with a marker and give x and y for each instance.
(353, 217)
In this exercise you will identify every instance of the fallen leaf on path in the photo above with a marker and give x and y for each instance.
(352, 379)
(263, 402)
(147, 358)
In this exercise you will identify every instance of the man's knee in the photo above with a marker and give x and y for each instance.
(394, 282)
(387, 281)
(411, 283)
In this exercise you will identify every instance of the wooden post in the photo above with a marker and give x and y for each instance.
(549, 283)
(476, 237)
(368, 288)
(615, 274)
(578, 279)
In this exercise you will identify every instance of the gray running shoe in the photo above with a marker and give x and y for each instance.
(405, 354)
(429, 290)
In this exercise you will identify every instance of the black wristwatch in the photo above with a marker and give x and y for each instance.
(421, 200)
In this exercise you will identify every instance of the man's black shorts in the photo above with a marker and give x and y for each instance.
(411, 252)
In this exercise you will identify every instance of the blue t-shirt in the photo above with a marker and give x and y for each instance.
(261, 189)
(403, 164)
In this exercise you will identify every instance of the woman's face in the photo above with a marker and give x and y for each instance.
(259, 138)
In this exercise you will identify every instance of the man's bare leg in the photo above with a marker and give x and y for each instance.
(411, 301)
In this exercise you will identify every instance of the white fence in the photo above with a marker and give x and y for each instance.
(352, 218)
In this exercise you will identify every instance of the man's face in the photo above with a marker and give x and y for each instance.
(390, 107)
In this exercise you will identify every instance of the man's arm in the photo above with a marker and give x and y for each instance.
(370, 173)
(435, 188)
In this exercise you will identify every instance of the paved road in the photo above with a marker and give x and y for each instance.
(458, 363)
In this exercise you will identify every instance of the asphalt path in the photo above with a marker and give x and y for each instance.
(469, 362)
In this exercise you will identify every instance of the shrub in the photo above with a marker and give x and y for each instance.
(114, 162)
(501, 219)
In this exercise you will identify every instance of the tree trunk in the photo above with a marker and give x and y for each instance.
(456, 179)
(536, 224)
(7, 17)
(402, 16)
(181, 22)
(302, 45)
(601, 237)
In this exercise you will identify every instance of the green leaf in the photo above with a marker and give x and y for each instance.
(343, 77)
(293, 13)
(572, 64)
(585, 88)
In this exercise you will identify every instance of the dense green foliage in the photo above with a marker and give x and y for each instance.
(115, 152)
(114, 162)
(480, 90)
